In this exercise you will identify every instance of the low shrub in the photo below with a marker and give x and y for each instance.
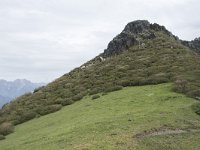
(196, 108)
(58, 101)
(27, 116)
(95, 91)
(114, 88)
(95, 96)
(104, 94)
(66, 102)
(181, 86)
(49, 109)
(156, 80)
(124, 83)
(137, 81)
(117, 87)
(2, 137)
(194, 93)
(77, 97)
(6, 128)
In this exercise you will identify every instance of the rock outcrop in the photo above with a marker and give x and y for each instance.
(131, 36)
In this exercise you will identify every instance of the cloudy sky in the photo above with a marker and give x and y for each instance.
(41, 40)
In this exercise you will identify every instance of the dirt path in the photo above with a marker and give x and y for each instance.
(157, 132)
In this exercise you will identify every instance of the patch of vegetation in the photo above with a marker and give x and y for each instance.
(48, 109)
(196, 108)
(6, 128)
(2, 137)
(95, 96)
(114, 88)
(25, 117)
(66, 102)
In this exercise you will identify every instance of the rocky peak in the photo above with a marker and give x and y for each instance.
(136, 27)
(130, 36)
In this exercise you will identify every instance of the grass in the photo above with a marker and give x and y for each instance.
(186, 141)
(111, 123)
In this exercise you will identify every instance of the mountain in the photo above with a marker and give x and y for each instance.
(11, 89)
(142, 54)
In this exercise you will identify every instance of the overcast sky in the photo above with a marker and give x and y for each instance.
(40, 40)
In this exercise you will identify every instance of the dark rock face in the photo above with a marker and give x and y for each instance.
(136, 27)
(129, 36)
(126, 38)
(194, 44)
(120, 43)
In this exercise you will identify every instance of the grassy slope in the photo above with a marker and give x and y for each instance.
(111, 121)
(186, 141)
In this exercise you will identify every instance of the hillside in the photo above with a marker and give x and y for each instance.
(142, 54)
(11, 89)
(125, 119)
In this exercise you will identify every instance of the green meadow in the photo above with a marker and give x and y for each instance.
(113, 121)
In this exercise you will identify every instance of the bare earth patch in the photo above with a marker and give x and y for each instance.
(165, 131)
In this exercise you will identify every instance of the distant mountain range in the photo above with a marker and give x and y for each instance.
(12, 89)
